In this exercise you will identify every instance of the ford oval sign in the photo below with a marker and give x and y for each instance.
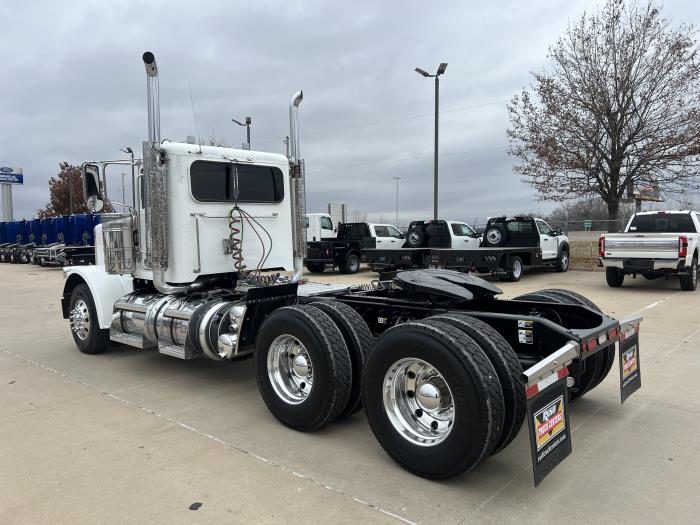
(5, 169)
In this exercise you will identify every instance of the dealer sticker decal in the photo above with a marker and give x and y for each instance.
(629, 363)
(549, 422)
(630, 366)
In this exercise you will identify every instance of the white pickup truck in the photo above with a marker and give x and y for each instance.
(319, 226)
(655, 244)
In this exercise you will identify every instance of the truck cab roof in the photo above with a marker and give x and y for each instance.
(221, 153)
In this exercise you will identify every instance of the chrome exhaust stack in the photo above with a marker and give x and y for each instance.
(296, 183)
(156, 186)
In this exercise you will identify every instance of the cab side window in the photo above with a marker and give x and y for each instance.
(381, 231)
(326, 223)
(393, 232)
(544, 228)
(461, 230)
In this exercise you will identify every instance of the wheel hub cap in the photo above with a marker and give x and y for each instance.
(80, 320)
(290, 369)
(494, 236)
(418, 402)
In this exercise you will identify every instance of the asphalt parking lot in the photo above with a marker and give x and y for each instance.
(132, 436)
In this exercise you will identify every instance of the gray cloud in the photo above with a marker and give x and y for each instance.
(74, 89)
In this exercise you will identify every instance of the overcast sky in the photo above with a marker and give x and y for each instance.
(73, 89)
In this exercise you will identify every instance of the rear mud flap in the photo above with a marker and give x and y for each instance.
(630, 372)
(550, 434)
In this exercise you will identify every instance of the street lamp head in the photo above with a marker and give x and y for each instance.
(127, 149)
(441, 68)
(248, 121)
(422, 72)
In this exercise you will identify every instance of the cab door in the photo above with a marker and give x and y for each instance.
(327, 231)
(463, 236)
(548, 242)
(381, 236)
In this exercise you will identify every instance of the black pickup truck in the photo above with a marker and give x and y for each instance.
(346, 251)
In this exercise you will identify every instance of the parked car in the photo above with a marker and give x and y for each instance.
(654, 244)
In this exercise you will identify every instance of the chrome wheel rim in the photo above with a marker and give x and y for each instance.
(290, 369)
(418, 402)
(80, 319)
(413, 238)
(493, 236)
(565, 260)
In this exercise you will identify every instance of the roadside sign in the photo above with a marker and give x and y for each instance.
(11, 175)
(548, 421)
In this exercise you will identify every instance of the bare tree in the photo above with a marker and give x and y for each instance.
(619, 107)
(359, 216)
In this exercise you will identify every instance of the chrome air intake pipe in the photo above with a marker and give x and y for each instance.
(296, 183)
(156, 187)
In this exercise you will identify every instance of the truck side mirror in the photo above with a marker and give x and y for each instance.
(93, 185)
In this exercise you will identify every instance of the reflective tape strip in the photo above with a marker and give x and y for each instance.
(542, 384)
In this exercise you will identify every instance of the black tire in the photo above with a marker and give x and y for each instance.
(690, 282)
(351, 264)
(315, 267)
(596, 367)
(563, 259)
(614, 277)
(330, 363)
(415, 237)
(96, 340)
(514, 271)
(470, 378)
(495, 235)
(359, 341)
(507, 366)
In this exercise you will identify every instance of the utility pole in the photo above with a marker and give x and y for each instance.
(397, 200)
(123, 189)
(441, 69)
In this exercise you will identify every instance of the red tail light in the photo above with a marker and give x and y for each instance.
(682, 246)
(601, 246)
(592, 344)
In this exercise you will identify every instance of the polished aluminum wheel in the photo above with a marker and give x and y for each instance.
(290, 370)
(418, 402)
(80, 319)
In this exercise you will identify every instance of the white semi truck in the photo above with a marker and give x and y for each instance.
(445, 371)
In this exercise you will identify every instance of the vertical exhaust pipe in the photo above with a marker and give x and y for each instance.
(296, 183)
(156, 187)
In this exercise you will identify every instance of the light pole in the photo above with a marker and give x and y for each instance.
(248, 122)
(397, 200)
(440, 70)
